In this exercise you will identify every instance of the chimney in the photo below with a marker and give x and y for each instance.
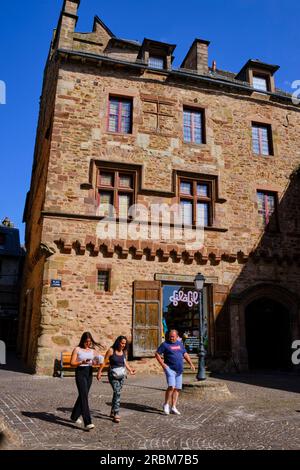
(197, 57)
(67, 24)
(214, 66)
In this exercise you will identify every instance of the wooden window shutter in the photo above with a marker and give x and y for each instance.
(221, 320)
(146, 318)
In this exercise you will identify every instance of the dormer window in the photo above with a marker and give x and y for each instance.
(158, 55)
(259, 75)
(156, 62)
(260, 83)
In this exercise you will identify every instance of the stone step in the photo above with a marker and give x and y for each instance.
(187, 370)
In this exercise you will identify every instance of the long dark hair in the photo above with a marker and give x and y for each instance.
(116, 344)
(87, 335)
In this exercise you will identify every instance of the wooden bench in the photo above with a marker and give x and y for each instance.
(65, 364)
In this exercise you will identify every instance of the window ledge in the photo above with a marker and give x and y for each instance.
(102, 292)
(194, 144)
(261, 155)
(215, 229)
(127, 134)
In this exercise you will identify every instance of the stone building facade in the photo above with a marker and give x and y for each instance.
(118, 124)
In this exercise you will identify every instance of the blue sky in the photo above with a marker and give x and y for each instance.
(238, 30)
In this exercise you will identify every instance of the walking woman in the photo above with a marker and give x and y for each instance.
(83, 358)
(116, 356)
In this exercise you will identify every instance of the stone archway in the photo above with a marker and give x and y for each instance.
(280, 300)
(268, 334)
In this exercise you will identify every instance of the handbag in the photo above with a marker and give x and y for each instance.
(118, 372)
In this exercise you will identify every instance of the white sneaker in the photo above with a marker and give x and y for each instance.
(89, 426)
(78, 421)
(166, 408)
(175, 411)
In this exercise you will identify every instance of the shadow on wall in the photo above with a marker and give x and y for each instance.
(15, 364)
(261, 313)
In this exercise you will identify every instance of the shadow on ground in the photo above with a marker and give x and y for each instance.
(140, 408)
(50, 418)
(278, 380)
(94, 414)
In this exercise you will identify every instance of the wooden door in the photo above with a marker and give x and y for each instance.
(146, 318)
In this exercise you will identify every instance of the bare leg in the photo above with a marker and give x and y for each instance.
(169, 393)
(175, 397)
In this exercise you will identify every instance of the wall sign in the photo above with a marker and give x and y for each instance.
(190, 297)
(55, 283)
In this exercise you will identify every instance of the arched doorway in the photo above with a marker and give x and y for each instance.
(268, 334)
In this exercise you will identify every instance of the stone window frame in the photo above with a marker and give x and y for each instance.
(105, 268)
(256, 72)
(116, 189)
(193, 110)
(273, 217)
(194, 198)
(121, 99)
(107, 287)
(186, 105)
(268, 127)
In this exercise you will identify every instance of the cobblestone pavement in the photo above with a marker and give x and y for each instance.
(263, 413)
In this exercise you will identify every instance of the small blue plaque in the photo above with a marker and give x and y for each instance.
(55, 283)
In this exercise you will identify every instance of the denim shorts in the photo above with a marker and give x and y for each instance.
(173, 378)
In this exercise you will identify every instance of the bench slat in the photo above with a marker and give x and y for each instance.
(65, 363)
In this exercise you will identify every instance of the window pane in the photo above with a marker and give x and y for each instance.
(192, 126)
(260, 140)
(103, 280)
(202, 214)
(264, 141)
(106, 179)
(255, 140)
(202, 190)
(186, 212)
(185, 188)
(156, 62)
(106, 204)
(124, 204)
(266, 206)
(120, 112)
(126, 117)
(260, 83)
(187, 134)
(125, 181)
(113, 115)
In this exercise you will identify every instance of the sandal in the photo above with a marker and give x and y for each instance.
(112, 414)
(116, 419)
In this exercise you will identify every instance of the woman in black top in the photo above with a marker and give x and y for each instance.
(116, 375)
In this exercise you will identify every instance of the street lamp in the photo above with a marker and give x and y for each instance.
(199, 284)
